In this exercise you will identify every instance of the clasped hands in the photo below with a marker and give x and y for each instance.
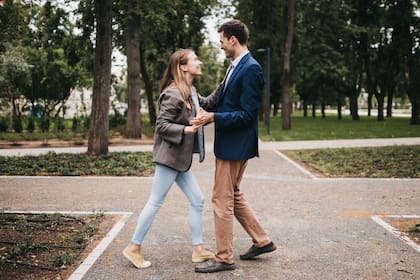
(202, 118)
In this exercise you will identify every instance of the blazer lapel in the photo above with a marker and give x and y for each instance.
(235, 72)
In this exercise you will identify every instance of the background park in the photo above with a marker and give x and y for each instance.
(86, 73)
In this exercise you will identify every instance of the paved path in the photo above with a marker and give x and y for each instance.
(322, 226)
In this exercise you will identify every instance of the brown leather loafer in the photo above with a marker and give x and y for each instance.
(254, 251)
(212, 265)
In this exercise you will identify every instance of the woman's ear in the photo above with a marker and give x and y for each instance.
(183, 68)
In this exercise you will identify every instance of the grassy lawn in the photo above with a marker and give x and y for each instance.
(399, 162)
(387, 162)
(52, 164)
(332, 128)
(376, 162)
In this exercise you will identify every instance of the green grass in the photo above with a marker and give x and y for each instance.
(52, 164)
(376, 162)
(401, 162)
(332, 128)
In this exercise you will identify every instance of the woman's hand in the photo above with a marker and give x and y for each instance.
(203, 117)
(190, 129)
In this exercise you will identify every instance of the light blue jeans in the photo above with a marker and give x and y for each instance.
(162, 181)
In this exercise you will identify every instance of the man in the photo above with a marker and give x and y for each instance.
(236, 140)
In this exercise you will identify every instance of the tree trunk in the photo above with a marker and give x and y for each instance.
(389, 102)
(148, 88)
(132, 39)
(380, 98)
(370, 87)
(305, 108)
(413, 87)
(313, 110)
(99, 125)
(354, 106)
(339, 105)
(286, 114)
(275, 108)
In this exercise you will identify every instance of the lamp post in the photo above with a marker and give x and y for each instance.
(267, 88)
(31, 66)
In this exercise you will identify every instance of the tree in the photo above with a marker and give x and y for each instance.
(14, 23)
(14, 74)
(99, 126)
(319, 54)
(267, 23)
(132, 38)
(285, 77)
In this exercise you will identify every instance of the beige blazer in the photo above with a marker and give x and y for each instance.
(172, 147)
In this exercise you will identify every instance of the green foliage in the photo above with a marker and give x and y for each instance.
(31, 125)
(75, 124)
(14, 23)
(60, 124)
(117, 120)
(266, 22)
(52, 61)
(212, 72)
(414, 228)
(63, 260)
(112, 164)
(14, 73)
(17, 124)
(377, 162)
(4, 123)
(44, 123)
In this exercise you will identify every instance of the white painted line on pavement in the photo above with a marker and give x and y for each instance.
(100, 248)
(303, 170)
(396, 232)
(364, 179)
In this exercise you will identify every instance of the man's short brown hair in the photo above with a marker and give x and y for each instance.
(235, 28)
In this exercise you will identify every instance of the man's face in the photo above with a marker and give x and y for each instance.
(226, 44)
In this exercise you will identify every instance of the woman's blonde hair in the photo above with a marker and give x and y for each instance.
(174, 74)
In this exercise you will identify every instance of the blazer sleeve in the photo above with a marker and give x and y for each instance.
(209, 102)
(167, 125)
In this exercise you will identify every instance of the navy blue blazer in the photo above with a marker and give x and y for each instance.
(236, 112)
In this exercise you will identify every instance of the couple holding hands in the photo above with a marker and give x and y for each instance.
(233, 107)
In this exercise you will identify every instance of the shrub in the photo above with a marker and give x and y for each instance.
(4, 124)
(60, 124)
(44, 123)
(17, 123)
(31, 125)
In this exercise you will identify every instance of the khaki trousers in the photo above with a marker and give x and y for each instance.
(228, 201)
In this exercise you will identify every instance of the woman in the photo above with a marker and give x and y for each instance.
(175, 141)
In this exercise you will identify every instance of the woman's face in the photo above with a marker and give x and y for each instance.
(193, 66)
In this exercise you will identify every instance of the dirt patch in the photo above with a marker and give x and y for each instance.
(407, 227)
(47, 246)
(359, 214)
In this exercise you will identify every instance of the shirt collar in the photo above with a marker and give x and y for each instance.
(235, 62)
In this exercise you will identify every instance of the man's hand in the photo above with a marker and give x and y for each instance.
(203, 117)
